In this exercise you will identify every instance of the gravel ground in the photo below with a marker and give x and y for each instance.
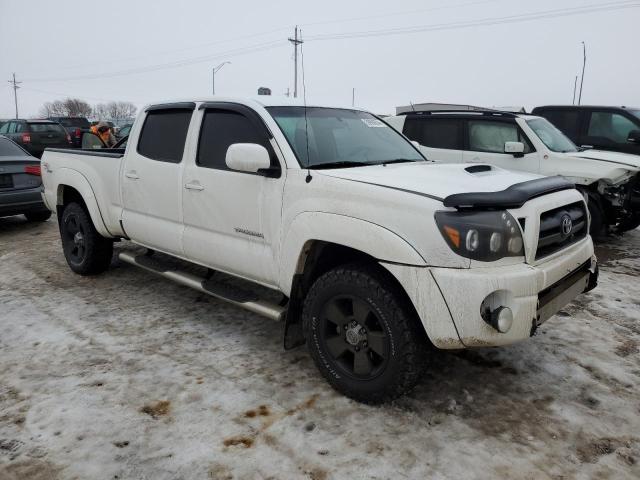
(128, 376)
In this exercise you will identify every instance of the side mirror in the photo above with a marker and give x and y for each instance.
(248, 157)
(634, 136)
(514, 148)
(92, 141)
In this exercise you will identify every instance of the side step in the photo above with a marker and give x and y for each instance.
(240, 298)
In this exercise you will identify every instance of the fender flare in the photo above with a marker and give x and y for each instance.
(361, 235)
(67, 177)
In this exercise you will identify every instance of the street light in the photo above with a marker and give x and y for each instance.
(213, 76)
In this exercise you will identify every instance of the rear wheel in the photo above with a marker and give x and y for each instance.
(86, 251)
(38, 216)
(363, 337)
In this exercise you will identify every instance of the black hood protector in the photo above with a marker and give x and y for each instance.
(513, 197)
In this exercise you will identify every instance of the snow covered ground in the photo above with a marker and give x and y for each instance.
(127, 376)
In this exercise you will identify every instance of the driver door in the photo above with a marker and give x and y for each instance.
(232, 218)
(486, 144)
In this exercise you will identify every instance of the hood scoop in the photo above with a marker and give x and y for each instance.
(478, 169)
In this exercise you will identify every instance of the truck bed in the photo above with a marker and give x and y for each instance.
(89, 171)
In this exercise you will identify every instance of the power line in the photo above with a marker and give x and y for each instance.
(168, 65)
(557, 13)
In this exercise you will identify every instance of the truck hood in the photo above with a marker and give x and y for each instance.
(433, 180)
(621, 159)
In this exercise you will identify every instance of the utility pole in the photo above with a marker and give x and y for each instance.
(15, 92)
(584, 64)
(353, 97)
(296, 41)
(213, 76)
(575, 84)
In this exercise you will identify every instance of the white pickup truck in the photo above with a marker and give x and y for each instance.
(378, 252)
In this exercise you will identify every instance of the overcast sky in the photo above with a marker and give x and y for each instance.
(69, 48)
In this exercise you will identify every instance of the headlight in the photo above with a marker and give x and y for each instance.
(483, 236)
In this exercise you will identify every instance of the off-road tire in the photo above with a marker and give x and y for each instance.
(95, 255)
(38, 216)
(397, 319)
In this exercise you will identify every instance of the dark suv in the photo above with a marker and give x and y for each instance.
(36, 135)
(603, 128)
(75, 126)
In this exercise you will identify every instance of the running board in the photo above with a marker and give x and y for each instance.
(240, 298)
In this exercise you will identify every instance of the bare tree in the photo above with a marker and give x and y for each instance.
(70, 107)
(114, 111)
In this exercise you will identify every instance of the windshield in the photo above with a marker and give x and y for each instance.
(553, 138)
(341, 138)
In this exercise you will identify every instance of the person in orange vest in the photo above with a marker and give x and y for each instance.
(103, 130)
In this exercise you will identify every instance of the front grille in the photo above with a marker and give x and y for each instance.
(554, 232)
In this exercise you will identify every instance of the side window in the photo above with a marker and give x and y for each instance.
(5, 128)
(565, 120)
(164, 134)
(222, 128)
(491, 136)
(612, 126)
(435, 132)
(12, 127)
(20, 127)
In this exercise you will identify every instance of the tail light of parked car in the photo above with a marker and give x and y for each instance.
(26, 138)
(78, 133)
(32, 170)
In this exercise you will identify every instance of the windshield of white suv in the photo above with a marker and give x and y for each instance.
(553, 138)
(340, 138)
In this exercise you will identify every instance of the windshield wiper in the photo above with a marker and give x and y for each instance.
(398, 160)
(340, 164)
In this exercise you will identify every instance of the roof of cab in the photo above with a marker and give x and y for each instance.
(261, 100)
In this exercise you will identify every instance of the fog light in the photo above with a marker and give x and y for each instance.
(502, 319)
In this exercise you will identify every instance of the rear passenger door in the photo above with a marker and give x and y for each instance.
(440, 139)
(232, 218)
(152, 179)
(485, 144)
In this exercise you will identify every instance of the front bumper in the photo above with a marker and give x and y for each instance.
(533, 293)
(16, 202)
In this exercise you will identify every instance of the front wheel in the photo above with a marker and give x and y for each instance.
(86, 251)
(362, 335)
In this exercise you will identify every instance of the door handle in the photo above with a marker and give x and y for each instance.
(132, 175)
(193, 186)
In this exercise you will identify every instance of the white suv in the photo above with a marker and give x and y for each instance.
(528, 143)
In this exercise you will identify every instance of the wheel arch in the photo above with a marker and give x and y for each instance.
(75, 187)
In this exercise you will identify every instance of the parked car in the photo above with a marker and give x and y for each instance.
(36, 135)
(610, 180)
(604, 128)
(20, 183)
(75, 126)
(378, 251)
(124, 131)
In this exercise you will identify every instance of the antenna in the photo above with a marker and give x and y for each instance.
(306, 122)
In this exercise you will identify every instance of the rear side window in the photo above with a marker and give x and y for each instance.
(222, 128)
(564, 120)
(10, 149)
(435, 132)
(46, 128)
(491, 136)
(164, 134)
